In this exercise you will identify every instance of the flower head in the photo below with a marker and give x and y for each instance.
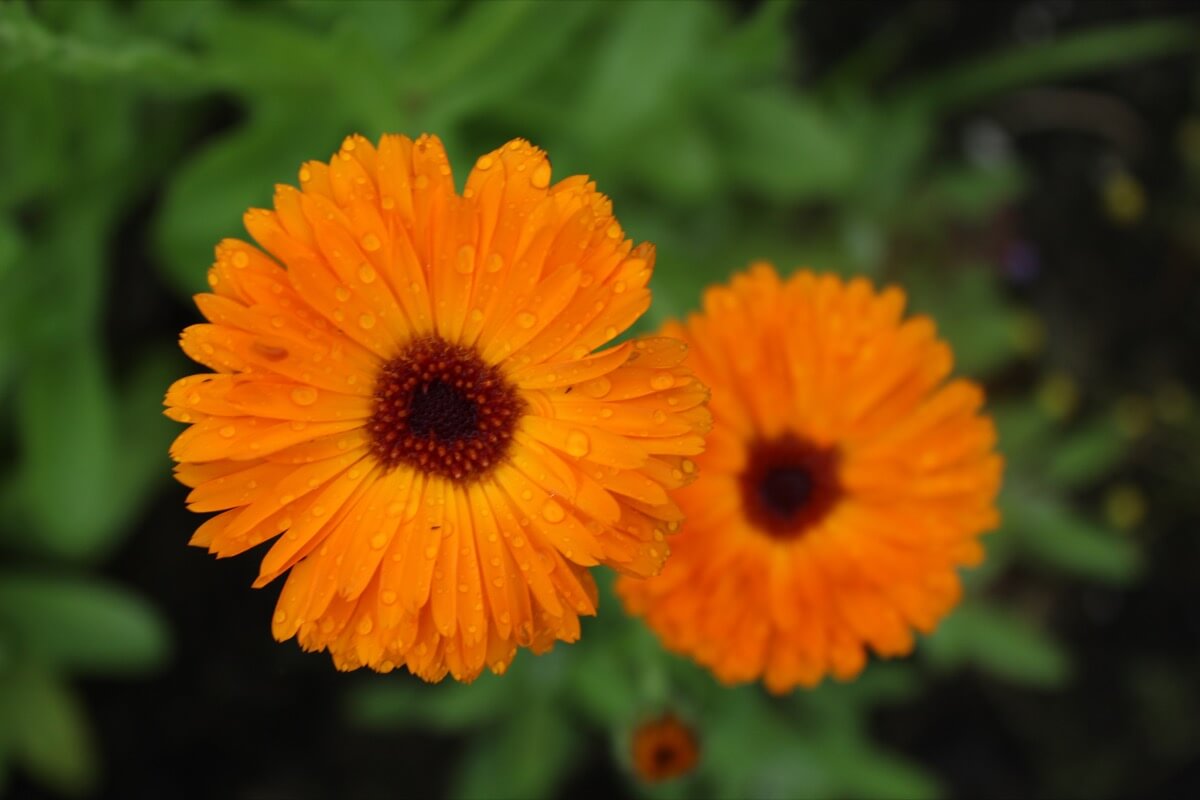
(663, 749)
(408, 400)
(843, 484)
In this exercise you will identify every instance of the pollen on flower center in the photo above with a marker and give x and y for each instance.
(788, 485)
(441, 409)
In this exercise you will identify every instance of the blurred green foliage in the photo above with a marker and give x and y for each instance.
(699, 127)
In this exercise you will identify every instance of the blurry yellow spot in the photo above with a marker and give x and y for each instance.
(1058, 395)
(1124, 198)
(1028, 333)
(1134, 415)
(1124, 506)
(1173, 402)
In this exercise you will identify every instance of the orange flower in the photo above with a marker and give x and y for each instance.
(406, 390)
(663, 749)
(843, 483)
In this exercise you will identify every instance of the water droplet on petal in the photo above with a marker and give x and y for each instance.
(378, 541)
(541, 176)
(240, 259)
(495, 263)
(578, 443)
(365, 626)
(366, 273)
(388, 597)
(228, 431)
(484, 163)
(342, 294)
(304, 395)
(662, 380)
(370, 242)
(366, 321)
(553, 512)
(526, 319)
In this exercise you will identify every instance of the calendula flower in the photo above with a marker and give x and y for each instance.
(663, 749)
(408, 400)
(843, 484)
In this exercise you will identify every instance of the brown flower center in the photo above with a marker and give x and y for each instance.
(789, 485)
(442, 409)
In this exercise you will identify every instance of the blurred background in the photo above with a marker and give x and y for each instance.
(1029, 171)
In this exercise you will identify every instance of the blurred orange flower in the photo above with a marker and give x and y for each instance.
(843, 483)
(663, 749)
(406, 389)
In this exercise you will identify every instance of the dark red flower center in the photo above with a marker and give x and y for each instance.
(442, 409)
(788, 485)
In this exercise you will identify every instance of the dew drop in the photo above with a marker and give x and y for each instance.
(597, 387)
(431, 552)
(388, 202)
(304, 395)
(228, 431)
(365, 626)
(614, 231)
(553, 512)
(688, 465)
(305, 175)
(280, 617)
(526, 319)
(342, 294)
(476, 315)
(495, 263)
(662, 380)
(318, 511)
(484, 163)
(370, 242)
(540, 177)
(366, 321)
(619, 287)
(240, 259)
(378, 541)
(388, 597)
(366, 273)
(660, 417)
(578, 443)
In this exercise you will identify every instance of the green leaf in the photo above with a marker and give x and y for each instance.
(527, 756)
(966, 194)
(1074, 54)
(1053, 533)
(1000, 643)
(646, 56)
(784, 147)
(45, 729)
(80, 625)
(28, 45)
(1086, 455)
(406, 702)
(66, 419)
